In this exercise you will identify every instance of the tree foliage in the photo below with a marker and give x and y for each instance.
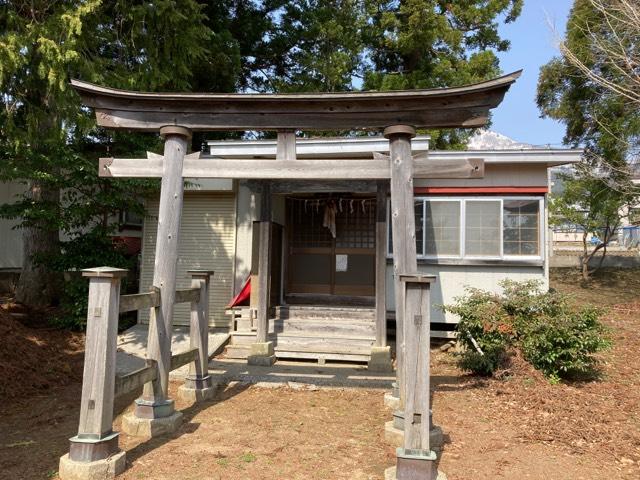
(597, 118)
(51, 144)
(435, 43)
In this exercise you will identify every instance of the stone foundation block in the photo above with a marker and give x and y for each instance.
(380, 360)
(151, 427)
(261, 354)
(196, 395)
(391, 402)
(98, 470)
(395, 437)
(390, 474)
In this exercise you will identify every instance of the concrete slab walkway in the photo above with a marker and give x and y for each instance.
(132, 345)
(302, 375)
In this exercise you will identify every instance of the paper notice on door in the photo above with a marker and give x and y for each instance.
(342, 263)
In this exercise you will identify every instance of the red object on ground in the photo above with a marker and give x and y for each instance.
(242, 298)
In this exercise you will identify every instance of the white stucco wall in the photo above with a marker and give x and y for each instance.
(496, 175)
(453, 279)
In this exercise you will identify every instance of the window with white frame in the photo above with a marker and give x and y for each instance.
(478, 227)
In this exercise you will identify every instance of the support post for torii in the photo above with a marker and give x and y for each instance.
(380, 360)
(155, 413)
(262, 351)
(416, 459)
(403, 224)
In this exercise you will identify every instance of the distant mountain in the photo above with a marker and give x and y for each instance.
(489, 140)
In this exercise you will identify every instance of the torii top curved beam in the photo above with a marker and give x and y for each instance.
(466, 106)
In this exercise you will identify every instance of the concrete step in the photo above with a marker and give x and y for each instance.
(314, 312)
(323, 327)
(321, 356)
(322, 343)
(237, 351)
(243, 338)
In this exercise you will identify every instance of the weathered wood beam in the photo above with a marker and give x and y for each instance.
(381, 263)
(416, 459)
(183, 358)
(466, 106)
(95, 439)
(138, 301)
(286, 146)
(187, 295)
(136, 379)
(264, 280)
(403, 229)
(198, 377)
(154, 402)
(333, 169)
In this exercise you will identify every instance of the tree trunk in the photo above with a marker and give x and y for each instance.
(37, 286)
(585, 257)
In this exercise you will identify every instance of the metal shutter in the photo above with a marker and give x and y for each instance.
(207, 240)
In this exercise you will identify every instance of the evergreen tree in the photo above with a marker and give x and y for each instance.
(48, 142)
(597, 118)
(435, 43)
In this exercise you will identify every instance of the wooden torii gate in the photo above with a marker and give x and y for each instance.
(176, 115)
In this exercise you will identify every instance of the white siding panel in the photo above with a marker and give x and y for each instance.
(451, 281)
(524, 175)
(207, 239)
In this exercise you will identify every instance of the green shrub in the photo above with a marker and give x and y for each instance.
(484, 330)
(555, 336)
(93, 249)
(563, 346)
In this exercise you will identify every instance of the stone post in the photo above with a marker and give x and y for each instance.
(93, 452)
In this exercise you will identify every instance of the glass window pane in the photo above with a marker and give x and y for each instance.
(419, 225)
(442, 228)
(521, 223)
(419, 229)
(482, 228)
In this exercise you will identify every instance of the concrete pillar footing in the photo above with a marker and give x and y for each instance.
(380, 360)
(261, 354)
(391, 402)
(196, 395)
(105, 469)
(150, 427)
(395, 437)
(390, 474)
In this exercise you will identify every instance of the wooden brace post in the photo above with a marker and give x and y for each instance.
(199, 331)
(416, 459)
(96, 439)
(381, 263)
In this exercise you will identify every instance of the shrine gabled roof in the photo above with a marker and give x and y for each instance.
(454, 107)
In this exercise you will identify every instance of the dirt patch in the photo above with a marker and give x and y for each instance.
(36, 359)
(520, 427)
(257, 433)
(608, 286)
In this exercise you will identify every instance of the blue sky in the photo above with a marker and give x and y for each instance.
(532, 45)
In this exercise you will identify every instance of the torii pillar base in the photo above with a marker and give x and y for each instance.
(149, 420)
(196, 390)
(261, 354)
(390, 474)
(105, 469)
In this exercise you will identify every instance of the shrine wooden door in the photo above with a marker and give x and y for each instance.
(320, 263)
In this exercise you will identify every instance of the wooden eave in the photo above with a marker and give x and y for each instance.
(466, 106)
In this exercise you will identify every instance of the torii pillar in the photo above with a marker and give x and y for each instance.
(155, 412)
